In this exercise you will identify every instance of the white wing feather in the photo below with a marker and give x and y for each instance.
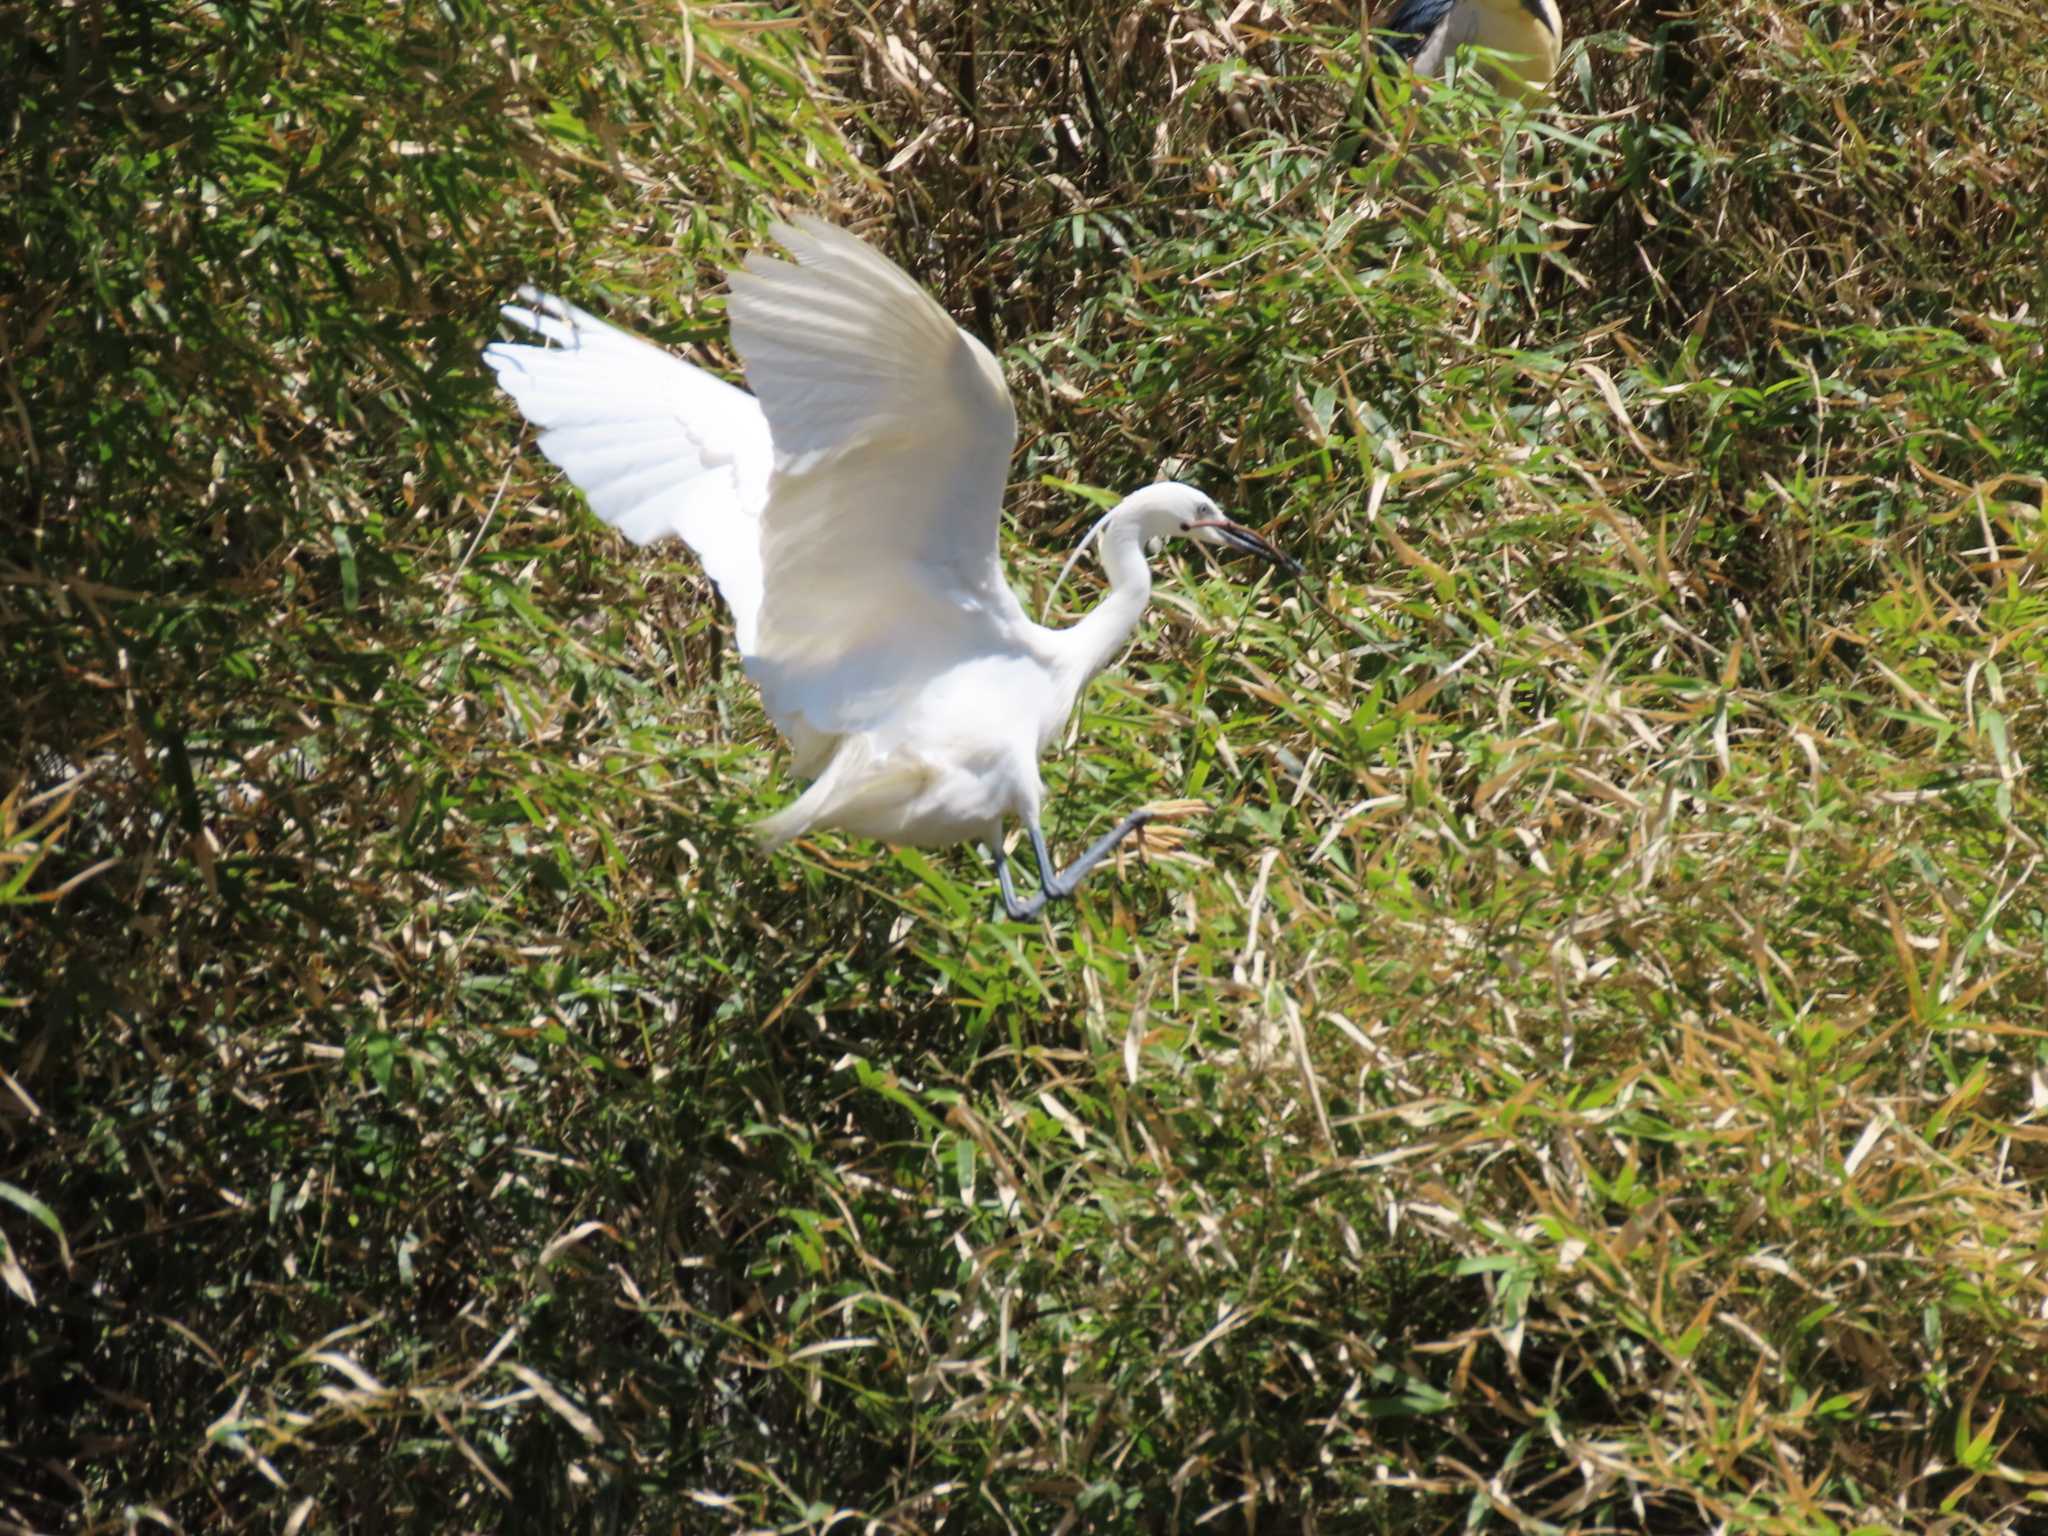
(865, 565)
(892, 430)
(658, 447)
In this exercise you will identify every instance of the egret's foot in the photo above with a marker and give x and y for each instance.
(1058, 885)
(1062, 884)
(1018, 911)
(1024, 911)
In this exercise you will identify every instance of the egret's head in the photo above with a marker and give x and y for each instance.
(1170, 509)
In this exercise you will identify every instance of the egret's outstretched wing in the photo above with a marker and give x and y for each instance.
(892, 431)
(657, 446)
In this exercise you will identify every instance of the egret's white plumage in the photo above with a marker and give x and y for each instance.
(657, 447)
(848, 511)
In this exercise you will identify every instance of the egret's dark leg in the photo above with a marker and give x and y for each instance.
(1057, 884)
(1060, 886)
(1019, 911)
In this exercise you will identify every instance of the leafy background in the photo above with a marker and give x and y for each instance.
(1585, 1070)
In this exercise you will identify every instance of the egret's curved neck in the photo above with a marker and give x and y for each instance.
(1093, 643)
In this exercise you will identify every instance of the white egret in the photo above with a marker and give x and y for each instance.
(848, 510)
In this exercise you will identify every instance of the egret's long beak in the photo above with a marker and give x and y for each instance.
(1242, 538)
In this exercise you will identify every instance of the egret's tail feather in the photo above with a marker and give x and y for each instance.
(785, 826)
(826, 793)
(858, 791)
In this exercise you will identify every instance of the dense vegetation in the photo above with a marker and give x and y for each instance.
(1585, 1070)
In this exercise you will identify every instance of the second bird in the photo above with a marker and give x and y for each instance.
(847, 510)
(1529, 32)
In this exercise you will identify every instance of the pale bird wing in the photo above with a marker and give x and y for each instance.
(893, 430)
(657, 446)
